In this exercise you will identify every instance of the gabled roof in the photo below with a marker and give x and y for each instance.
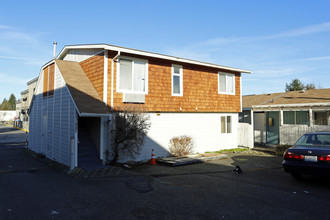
(145, 53)
(85, 96)
(306, 97)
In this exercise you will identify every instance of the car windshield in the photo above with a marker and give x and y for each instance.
(314, 140)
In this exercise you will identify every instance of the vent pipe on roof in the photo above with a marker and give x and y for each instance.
(54, 52)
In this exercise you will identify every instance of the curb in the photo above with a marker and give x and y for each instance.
(174, 161)
(16, 128)
(105, 172)
(20, 171)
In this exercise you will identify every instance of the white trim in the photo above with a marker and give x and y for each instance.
(240, 86)
(292, 105)
(145, 80)
(112, 78)
(181, 79)
(102, 147)
(32, 81)
(226, 124)
(76, 138)
(148, 54)
(233, 81)
(93, 115)
(105, 78)
(311, 121)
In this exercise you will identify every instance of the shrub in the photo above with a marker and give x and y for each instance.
(280, 149)
(181, 146)
(131, 126)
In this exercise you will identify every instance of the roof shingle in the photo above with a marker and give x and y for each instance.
(82, 91)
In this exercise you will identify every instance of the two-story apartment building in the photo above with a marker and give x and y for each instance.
(77, 92)
(24, 104)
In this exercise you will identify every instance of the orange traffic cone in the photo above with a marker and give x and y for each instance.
(153, 159)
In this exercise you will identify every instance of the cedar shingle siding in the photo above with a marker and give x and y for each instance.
(48, 84)
(200, 86)
(94, 68)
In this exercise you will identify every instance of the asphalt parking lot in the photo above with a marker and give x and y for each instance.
(36, 188)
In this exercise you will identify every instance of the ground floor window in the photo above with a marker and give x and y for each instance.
(226, 124)
(296, 117)
(244, 116)
(321, 118)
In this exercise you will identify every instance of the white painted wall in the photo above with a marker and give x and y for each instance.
(79, 55)
(7, 115)
(204, 128)
(52, 121)
(245, 135)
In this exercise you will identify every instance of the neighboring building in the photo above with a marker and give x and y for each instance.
(7, 115)
(18, 109)
(23, 106)
(281, 118)
(77, 92)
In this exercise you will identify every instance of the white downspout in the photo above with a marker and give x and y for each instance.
(112, 73)
(105, 78)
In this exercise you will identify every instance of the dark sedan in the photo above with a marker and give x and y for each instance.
(310, 155)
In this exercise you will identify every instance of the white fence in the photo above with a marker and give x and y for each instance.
(7, 115)
(289, 134)
(245, 135)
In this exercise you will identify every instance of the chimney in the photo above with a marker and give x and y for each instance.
(54, 53)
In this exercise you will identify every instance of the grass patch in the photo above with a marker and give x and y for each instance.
(234, 150)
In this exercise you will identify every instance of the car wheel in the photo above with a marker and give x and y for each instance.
(296, 175)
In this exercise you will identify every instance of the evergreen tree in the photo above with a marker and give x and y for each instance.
(12, 102)
(295, 85)
(310, 86)
(4, 104)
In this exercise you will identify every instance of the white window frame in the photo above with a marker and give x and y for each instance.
(226, 76)
(145, 80)
(181, 79)
(226, 124)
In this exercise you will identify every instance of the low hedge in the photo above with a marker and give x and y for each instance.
(280, 149)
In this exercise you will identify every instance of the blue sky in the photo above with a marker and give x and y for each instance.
(277, 40)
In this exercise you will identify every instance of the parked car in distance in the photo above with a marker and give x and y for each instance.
(310, 155)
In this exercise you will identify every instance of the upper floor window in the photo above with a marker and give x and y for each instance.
(226, 83)
(177, 82)
(132, 75)
(48, 83)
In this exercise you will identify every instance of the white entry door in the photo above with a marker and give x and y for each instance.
(44, 136)
(259, 127)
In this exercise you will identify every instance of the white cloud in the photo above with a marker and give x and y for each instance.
(189, 54)
(16, 58)
(316, 58)
(9, 79)
(324, 27)
(20, 38)
(3, 27)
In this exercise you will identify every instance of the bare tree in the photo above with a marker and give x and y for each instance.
(131, 125)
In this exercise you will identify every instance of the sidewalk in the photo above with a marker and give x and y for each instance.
(249, 160)
(10, 134)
